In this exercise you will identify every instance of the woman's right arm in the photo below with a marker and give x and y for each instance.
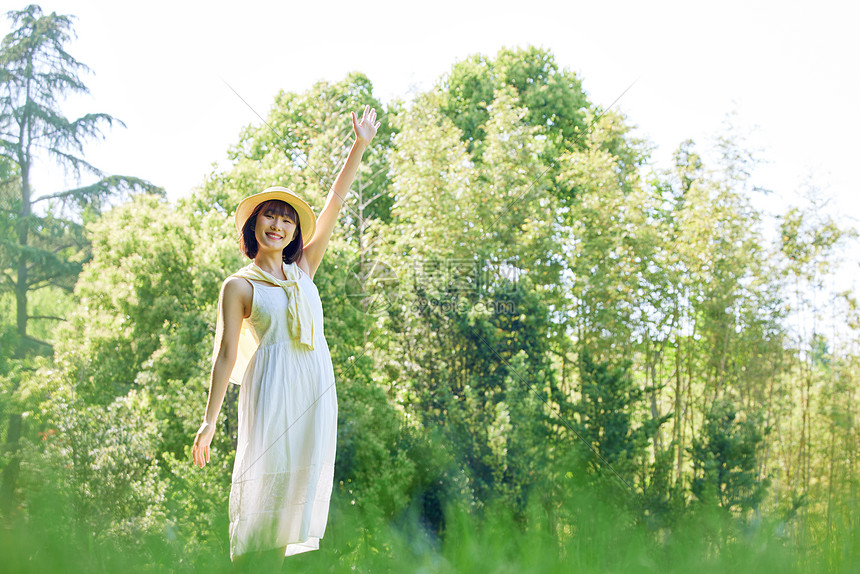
(235, 296)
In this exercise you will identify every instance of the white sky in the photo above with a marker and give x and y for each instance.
(786, 68)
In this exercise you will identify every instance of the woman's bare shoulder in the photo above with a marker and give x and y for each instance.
(237, 293)
(237, 287)
(234, 283)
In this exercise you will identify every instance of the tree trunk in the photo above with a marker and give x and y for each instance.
(10, 473)
(651, 369)
(13, 434)
(679, 389)
(769, 415)
(832, 462)
(21, 283)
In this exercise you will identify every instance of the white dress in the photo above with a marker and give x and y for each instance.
(284, 468)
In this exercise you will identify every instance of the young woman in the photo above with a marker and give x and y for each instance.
(269, 338)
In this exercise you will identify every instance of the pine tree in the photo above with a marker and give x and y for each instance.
(35, 73)
(43, 248)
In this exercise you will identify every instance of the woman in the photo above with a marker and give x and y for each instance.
(269, 338)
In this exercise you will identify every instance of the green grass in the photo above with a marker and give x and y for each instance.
(582, 534)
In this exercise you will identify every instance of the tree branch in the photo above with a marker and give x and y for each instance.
(101, 188)
(66, 246)
(38, 341)
(363, 206)
(65, 288)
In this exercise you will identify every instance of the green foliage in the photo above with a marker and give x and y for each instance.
(37, 72)
(552, 97)
(140, 280)
(600, 539)
(374, 466)
(503, 275)
(454, 242)
(45, 249)
(725, 460)
(607, 413)
(103, 459)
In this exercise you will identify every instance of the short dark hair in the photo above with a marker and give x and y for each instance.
(248, 239)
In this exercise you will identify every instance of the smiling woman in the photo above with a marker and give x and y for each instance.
(269, 338)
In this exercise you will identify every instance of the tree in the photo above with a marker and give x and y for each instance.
(725, 459)
(43, 250)
(35, 73)
(553, 97)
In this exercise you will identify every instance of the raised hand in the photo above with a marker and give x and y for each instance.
(366, 128)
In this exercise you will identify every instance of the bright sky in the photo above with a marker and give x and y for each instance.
(785, 67)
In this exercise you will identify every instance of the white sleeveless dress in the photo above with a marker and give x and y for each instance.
(284, 468)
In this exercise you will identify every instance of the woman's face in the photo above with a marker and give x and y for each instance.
(274, 231)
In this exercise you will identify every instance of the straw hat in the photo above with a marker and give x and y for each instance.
(307, 220)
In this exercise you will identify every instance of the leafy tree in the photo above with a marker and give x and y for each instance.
(35, 73)
(608, 245)
(725, 459)
(43, 250)
(610, 404)
(552, 97)
(809, 243)
(471, 249)
(104, 462)
(9, 184)
(136, 353)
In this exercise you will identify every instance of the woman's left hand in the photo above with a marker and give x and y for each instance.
(366, 128)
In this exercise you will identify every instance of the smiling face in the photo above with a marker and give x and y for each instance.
(272, 226)
(276, 227)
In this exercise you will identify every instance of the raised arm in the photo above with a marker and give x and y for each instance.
(235, 303)
(365, 130)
